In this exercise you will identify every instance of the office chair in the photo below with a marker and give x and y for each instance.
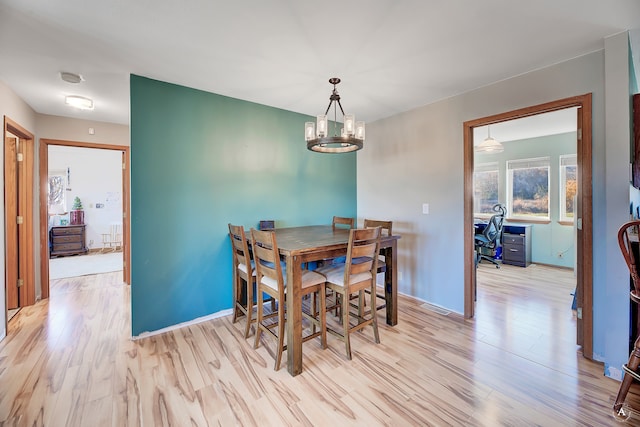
(491, 236)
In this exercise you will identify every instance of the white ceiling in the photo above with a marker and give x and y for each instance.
(553, 123)
(392, 55)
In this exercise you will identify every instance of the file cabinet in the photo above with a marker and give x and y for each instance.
(516, 245)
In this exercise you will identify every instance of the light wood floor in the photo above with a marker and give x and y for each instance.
(69, 361)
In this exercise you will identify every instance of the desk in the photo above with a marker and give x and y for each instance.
(516, 242)
(298, 245)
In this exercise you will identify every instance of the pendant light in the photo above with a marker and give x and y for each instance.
(489, 145)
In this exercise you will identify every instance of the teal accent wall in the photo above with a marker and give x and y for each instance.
(548, 240)
(198, 162)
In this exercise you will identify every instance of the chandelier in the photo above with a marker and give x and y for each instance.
(351, 136)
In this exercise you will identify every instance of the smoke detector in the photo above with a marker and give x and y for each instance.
(71, 77)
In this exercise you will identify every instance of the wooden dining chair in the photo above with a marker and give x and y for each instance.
(244, 277)
(339, 222)
(354, 279)
(343, 222)
(386, 229)
(626, 234)
(271, 281)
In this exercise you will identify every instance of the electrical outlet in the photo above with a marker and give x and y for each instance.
(399, 275)
(90, 243)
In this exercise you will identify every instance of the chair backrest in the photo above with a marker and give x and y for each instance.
(385, 226)
(267, 225)
(364, 244)
(342, 221)
(240, 247)
(627, 233)
(267, 260)
(115, 230)
(493, 230)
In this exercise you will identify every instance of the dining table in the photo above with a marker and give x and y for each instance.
(300, 245)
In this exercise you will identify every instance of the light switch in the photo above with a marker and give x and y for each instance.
(425, 208)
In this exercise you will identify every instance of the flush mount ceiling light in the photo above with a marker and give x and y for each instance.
(489, 145)
(351, 136)
(71, 77)
(79, 102)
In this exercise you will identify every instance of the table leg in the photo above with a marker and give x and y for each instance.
(391, 284)
(294, 316)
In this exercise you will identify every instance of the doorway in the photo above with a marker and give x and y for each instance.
(45, 144)
(582, 209)
(18, 194)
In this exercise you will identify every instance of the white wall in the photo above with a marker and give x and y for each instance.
(417, 157)
(68, 129)
(13, 107)
(96, 178)
(52, 127)
(614, 287)
(55, 127)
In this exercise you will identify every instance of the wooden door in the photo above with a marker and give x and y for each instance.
(579, 248)
(11, 213)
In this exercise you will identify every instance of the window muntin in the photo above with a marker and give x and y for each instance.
(528, 188)
(486, 180)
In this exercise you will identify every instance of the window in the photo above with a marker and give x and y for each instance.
(485, 188)
(528, 188)
(568, 185)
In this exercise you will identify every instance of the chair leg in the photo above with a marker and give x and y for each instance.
(345, 323)
(258, 325)
(374, 316)
(619, 412)
(249, 298)
(322, 296)
(314, 312)
(280, 336)
(236, 297)
(488, 258)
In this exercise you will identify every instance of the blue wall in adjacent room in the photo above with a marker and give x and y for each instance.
(198, 162)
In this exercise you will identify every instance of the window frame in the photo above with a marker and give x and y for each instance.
(485, 167)
(564, 161)
(529, 163)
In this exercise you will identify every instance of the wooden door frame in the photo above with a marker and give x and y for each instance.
(44, 220)
(28, 290)
(584, 243)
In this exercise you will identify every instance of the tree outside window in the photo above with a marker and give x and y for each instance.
(568, 186)
(528, 188)
(485, 188)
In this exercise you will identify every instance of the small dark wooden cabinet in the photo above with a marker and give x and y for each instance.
(67, 240)
(516, 245)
